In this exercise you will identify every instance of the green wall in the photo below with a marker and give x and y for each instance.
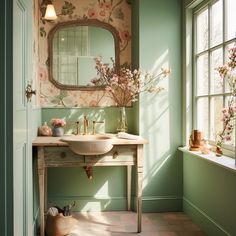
(209, 191)
(160, 115)
(107, 114)
(209, 195)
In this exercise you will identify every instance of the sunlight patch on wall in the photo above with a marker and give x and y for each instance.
(92, 206)
(103, 191)
(160, 62)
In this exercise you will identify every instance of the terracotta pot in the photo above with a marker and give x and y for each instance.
(195, 140)
(219, 151)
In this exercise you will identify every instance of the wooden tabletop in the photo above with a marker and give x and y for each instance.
(55, 141)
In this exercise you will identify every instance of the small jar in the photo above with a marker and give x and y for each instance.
(45, 130)
(58, 131)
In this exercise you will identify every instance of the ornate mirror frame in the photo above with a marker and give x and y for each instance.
(83, 22)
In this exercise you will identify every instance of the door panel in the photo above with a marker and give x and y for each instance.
(22, 157)
(19, 72)
(19, 190)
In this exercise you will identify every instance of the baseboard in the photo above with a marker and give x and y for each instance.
(160, 203)
(205, 222)
(104, 203)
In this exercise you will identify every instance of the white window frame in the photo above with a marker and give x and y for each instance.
(228, 149)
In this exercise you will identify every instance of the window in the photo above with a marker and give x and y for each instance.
(214, 34)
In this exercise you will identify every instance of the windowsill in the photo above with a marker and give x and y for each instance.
(223, 161)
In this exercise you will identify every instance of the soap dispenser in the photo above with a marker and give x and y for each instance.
(45, 130)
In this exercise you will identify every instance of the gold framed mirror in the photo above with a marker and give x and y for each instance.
(73, 45)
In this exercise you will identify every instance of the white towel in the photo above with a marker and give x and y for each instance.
(128, 136)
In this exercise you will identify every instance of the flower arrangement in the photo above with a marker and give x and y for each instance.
(56, 122)
(125, 85)
(228, 73)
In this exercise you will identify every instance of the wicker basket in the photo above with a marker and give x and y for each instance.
(59, 225)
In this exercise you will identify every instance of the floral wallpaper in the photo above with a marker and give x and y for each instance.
(114, 12)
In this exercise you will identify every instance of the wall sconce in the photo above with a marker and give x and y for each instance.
(50, 13)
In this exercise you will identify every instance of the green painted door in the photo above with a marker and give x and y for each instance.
(22, 157)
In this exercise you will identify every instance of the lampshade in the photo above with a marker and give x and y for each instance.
(50, 13)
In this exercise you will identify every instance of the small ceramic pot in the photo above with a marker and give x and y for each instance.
(57, 131)
(219, 151)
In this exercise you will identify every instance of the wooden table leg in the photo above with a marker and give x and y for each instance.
(45, 189)
(129, 169)
(41, 171)
(139, 176)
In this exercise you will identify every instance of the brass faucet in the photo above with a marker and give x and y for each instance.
(77, 128)
(94, 123)
(85, 125)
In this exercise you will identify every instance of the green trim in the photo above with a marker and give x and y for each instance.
(187, 72)
(25, 205)
(192, 3)
(210, 226)
(6, 123)
(135, 34)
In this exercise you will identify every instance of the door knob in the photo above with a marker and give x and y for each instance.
(29, 92)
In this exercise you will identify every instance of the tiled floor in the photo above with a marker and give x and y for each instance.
(124, 224)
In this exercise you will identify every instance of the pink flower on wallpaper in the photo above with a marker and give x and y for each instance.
(105, 5)
(92, 13)
(43, 74)
(125, 35)
(102, 13)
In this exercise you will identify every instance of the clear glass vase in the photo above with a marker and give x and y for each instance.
(122, 125)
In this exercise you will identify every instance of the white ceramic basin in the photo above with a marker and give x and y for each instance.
(89, 144)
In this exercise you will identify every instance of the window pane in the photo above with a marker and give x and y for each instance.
(216, 116)
(202, 74)
(202, 116)
(230, 19)
(217, 23)
(202, 31)
(227, 89)
(216, 80)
